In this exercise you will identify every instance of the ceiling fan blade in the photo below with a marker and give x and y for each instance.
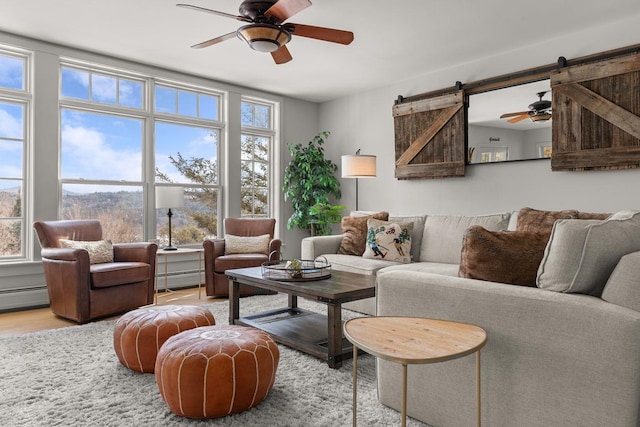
(321, 33)
(282, 55)
(519, 118)
(513, 114)
(214, 41)
(284, 9)
(215, 12)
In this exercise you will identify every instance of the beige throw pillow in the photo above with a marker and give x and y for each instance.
(442, 237)
(622, 287)
(388, 240)
(246, 244)
(581, 254)
(100, 251)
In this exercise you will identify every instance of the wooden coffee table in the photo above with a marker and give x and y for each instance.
(309, 332)
(413, 340)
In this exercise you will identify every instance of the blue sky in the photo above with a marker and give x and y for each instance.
(11, 123)
(109, 147)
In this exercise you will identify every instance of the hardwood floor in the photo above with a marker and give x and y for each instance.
(41, 319)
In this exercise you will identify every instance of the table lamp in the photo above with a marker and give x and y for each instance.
(358, 166)
(169, 197)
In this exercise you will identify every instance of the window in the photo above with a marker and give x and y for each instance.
(102, 88)
(14, 119)
(187, 103)
(102, 151)
(98, 153)
(256, 142)
(187, 138)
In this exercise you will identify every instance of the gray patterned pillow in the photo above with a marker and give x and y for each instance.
(100, 251)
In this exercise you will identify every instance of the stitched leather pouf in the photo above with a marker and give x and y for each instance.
(139, 334)
(214, 371)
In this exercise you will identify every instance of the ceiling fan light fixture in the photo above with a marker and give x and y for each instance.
(264, 37)
(540, 117)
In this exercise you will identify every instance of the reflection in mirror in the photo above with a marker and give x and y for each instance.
(523, 132)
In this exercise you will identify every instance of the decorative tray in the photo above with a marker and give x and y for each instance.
(297, 270)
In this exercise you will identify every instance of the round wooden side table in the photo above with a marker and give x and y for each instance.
(413, 340)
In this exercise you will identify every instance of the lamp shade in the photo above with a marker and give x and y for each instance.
(358, 166)
(169, 197)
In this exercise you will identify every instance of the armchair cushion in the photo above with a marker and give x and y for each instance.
(229, 262)
(100, 251)
(246, 244)
(117, 273)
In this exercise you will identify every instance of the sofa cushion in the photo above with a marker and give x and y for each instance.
(502, 256)
(246, 244)
(442, 236)
(100, 251)
(537, 220)
(623, 287)
(440, 268)
(388, 240)
(229, 262)
(354, 233)
(581, 254)
(359, 265)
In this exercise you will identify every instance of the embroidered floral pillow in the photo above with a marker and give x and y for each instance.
(388, 240)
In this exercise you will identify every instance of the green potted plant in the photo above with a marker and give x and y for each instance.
(322, 216)
(308, 180)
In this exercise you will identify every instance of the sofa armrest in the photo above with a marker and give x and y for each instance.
(315, 246)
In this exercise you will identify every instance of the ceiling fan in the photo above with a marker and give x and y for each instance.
(538, 111)
(266, 30)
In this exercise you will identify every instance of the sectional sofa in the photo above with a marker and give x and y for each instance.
(557, 292)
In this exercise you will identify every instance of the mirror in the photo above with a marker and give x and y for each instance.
(492, 139)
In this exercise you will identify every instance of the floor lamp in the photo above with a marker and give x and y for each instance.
(169, 197)
(358, 166)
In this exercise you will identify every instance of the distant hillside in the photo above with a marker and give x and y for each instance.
(7, 201)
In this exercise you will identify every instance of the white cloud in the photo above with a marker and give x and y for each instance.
(91, 157)
(10, 71)
(10, 126)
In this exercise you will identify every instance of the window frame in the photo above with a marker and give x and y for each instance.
(23, 97)
(270, 134)
(149, 117)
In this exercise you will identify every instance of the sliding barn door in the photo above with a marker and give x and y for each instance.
(430, 137)
(596, 115)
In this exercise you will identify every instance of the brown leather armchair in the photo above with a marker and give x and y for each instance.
(216, 262)
(81, 291)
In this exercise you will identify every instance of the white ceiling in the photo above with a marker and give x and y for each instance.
(394, 40)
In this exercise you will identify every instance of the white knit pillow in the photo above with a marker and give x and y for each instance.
(100, 251)
(246, 244)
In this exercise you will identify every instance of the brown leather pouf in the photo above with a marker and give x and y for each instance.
(214, 371)
(139, 334)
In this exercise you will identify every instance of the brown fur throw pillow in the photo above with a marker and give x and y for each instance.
(589, 215)
(354, 233)
(536, 220)
(502, 256)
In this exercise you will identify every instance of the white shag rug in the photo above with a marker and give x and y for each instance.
(72, 377)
